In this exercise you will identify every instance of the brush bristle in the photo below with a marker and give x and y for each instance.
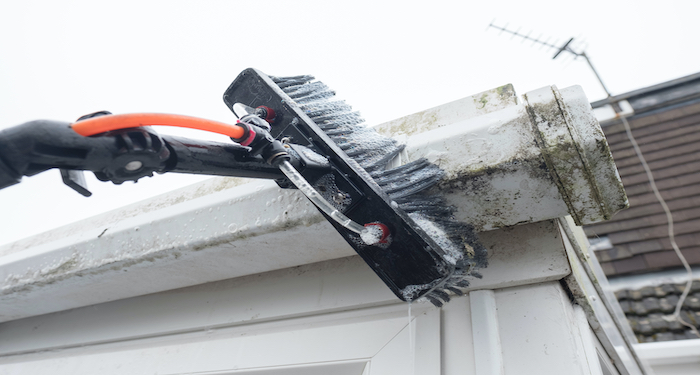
(407, 184)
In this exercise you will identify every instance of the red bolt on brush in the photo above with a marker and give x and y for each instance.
(375, 233)
(266, 113)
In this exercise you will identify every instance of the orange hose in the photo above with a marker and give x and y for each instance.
(102, 124)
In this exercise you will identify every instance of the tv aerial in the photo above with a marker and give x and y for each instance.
(566, 47)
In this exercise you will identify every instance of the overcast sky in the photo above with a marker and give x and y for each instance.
(62, 59)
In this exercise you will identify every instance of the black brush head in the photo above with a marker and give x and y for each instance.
(428, 253)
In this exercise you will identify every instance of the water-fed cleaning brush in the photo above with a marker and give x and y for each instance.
(422, 250)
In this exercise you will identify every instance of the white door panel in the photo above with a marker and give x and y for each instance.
(363, 342)
(333, 368)
(397, 357)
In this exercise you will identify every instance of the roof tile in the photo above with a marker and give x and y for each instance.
(659, 292)
(651, 305)
(626, 306)
(695, 286)
(674, 325)
(668, 289)
(666, 305)
(639, 309)
(692, 302)
(649, 310)
(633, 264)
(622, 294)
(658, 323)
(647, 291)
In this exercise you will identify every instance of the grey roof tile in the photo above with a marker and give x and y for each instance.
(668, 289)
(692, 302)
(695, 287)
(622, 294)
(673, 299)
(693, 318)
(635, 294)
(679, 288)
(647, 291)
(634, 323)
(643, 339)
(687, 334)
(649, 311)
(666, 305)
(644, 327)
(626, 308)
(639, 309)
(608, 268)
(659, 292)
(658, 323)
(651, 305)
(630, 265)
(674, 325)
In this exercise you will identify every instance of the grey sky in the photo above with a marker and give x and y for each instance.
(62, 59)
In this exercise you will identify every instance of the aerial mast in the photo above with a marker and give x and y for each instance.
(566, 47)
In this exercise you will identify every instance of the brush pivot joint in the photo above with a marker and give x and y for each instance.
(266, 113)
(256, 135)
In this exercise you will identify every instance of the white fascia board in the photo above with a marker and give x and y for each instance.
(125, 262)
(245, 230)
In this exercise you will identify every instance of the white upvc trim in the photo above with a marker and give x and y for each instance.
(677, 276)
(488, 353)
(670, 352)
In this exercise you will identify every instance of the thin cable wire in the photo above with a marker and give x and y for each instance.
(671, 235)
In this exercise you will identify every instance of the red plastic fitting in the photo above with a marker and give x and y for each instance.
(248, 136)
(385, 231)
(269, 113)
